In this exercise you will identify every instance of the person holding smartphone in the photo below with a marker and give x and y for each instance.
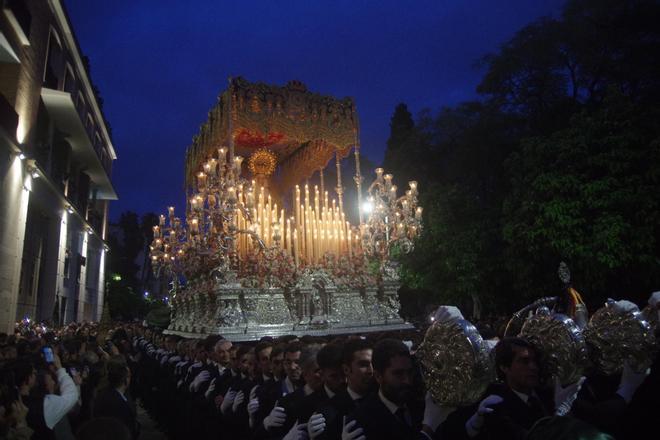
(48, 410)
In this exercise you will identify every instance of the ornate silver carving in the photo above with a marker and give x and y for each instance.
(456, 364)
(313, 306)
(614, 337)
(560, 342)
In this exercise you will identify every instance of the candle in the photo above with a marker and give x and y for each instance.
(296, 246)
(201, 180)
(238, 161)
(350, 242)
(231, 194)
(297, 198)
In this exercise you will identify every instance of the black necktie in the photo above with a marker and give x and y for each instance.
(536, 405)
(400, 414)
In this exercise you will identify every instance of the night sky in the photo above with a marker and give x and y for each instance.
(160, 65)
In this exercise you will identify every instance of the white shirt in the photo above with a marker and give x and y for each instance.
(328, 391)
(524, 397)
(353, 394)
(288, 385)
(56, 406)
(391, 406)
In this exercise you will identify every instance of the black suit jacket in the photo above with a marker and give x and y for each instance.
(311, 404)
(334, 411)
(379, 423)
(109, 403)
(268, 393)
(512, 419)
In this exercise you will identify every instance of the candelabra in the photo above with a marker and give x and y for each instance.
(219, 211)
(393, 222)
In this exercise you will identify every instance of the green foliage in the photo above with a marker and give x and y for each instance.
(589, 195)
(128, 239)
(560, 160)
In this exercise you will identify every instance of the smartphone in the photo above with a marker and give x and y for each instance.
(48, 354)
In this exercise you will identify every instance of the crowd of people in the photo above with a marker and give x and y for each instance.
(82, 382)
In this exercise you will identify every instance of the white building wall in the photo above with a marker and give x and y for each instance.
(14, 199)
(82, 292)
(100, 297)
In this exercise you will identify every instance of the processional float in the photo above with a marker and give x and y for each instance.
(458, 364)
(262, 252)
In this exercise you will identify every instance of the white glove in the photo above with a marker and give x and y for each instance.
(435, 414)
(275, 419)
(240, 398)
(210, 390)
(624, 306)
(447, 314)
(490, 344)
(315, 425)
(476, 422)
(199, 380)
(630, 381)
(297, 432)
(227, 401)
(253, 407)
(565, 396)
(351, 431)
(654, 299)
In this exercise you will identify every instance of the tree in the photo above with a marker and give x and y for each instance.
(127, 240)
(588, 195)
(405, 147)
(558, 160)
(553, 68)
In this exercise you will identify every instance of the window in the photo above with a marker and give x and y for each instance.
(89, 125)
(54, 61)
(81, 105)
(98, 145)
(67, 264)
(69, 80)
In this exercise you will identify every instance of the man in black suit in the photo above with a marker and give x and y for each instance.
(113, 401)
(329, 360)
(264, 369)
(359, 373)
(391, 413)
(272, 391)
(287, 412)
(512, 407)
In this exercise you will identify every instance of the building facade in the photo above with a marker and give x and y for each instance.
(56, 158)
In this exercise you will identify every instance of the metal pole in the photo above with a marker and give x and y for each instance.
(339, 189)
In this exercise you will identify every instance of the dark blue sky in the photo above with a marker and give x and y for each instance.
(160, 65)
